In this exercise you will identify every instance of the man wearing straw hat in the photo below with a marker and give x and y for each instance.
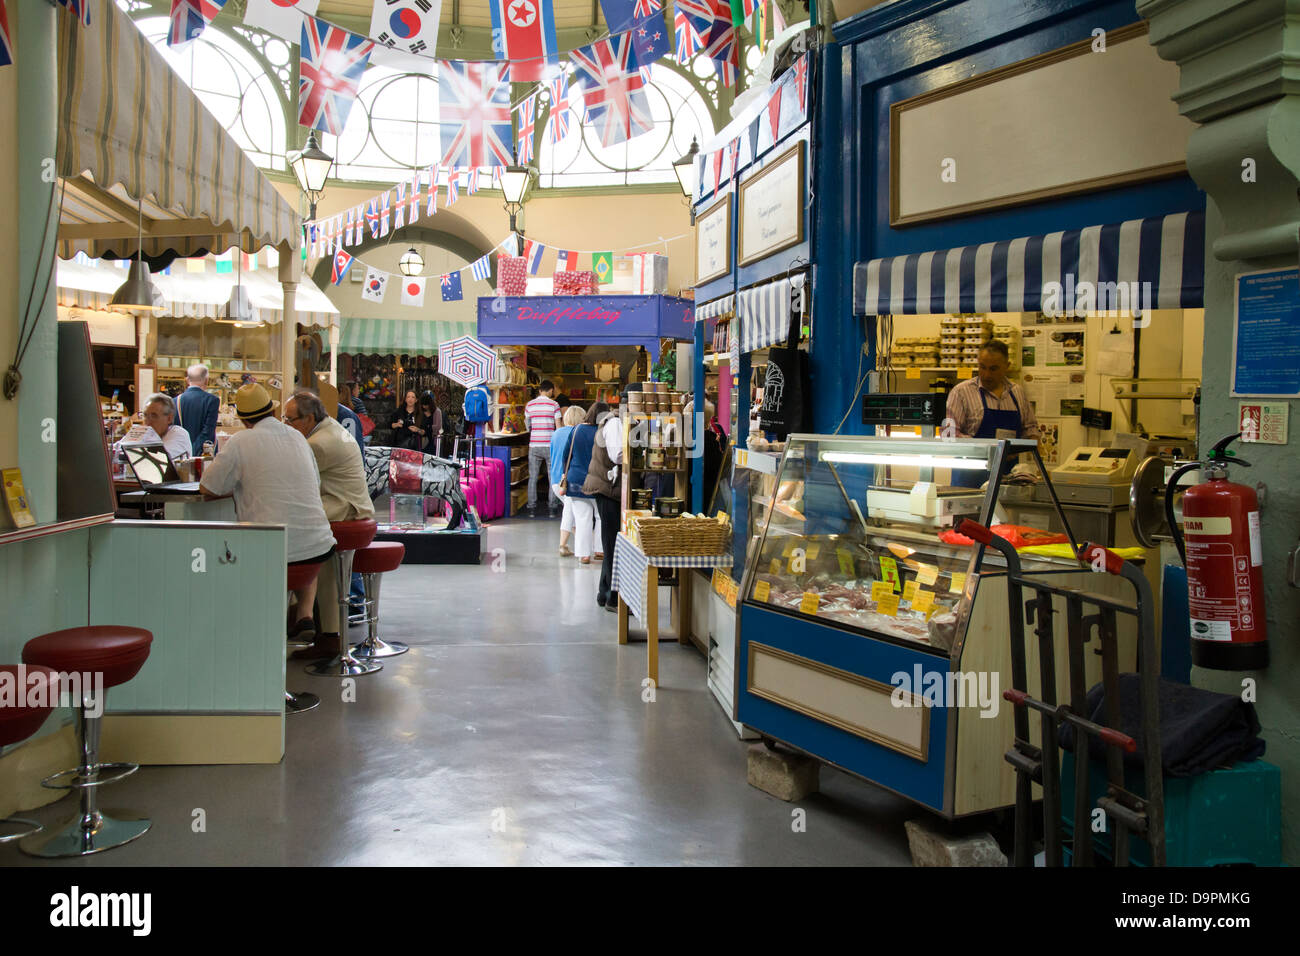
(271, 471)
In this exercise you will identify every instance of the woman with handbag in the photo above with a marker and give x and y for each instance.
(408, 424)
(560, 449)
(586, 521)
(602, 486)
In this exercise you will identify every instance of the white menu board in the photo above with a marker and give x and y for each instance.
(772, 205)
(713, 241)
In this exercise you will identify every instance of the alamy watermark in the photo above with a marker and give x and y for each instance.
(922, 688)
(669, 431)
(30, 688)
(1109, 299)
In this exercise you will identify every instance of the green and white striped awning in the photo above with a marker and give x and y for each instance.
(398, 336)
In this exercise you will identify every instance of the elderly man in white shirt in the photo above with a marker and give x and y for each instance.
(271, 471)
(160, 416)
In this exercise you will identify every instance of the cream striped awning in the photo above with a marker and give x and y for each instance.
(399, 336)
(129, 127)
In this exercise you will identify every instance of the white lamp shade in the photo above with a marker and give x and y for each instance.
(137, 295)
(514, 182)
(411, 263)
(312, 167)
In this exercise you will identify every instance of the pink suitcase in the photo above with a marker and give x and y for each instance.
(494, 470)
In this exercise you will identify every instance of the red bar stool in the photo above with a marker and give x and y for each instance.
(371, 563)
(110, 655)
(37, 689)
(299, 702)
(349, 537)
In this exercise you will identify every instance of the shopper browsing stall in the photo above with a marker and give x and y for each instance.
(408, 424)
(601, 484)
(574, 455)
(990, 406)
(569, 418)
(540, 415)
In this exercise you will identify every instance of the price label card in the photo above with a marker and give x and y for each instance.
(809, 603)
(718, 578)
(909, 591)
(964, 371)
(814, 549)
(774, 566)
(927, 574)
(912, 373)
(888, 604)
(958, 582)
(881, 590)
(845, 557)
(923, 601)
(762, 591)
(889, 572)
(732, 590)
(789, 546)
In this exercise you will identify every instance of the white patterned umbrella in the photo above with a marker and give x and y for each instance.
(466, 360)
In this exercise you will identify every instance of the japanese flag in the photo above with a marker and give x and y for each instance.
(413, 291)
(375, 285)
(280, 17)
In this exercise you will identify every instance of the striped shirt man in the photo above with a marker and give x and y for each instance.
(540, 414)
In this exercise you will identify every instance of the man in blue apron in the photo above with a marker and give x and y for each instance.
(989, 406)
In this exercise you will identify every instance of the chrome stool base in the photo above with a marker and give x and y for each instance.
(375, 648)
(16, 828)
(99, 775)
(86, 834)
(299, 703)
(343, 667)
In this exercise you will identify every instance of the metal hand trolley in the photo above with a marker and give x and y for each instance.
(1129, 813)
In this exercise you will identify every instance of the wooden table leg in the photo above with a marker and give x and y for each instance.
(622, 620)
(652, 623)
(684, 581)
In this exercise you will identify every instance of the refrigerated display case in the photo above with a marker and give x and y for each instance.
(874, 637)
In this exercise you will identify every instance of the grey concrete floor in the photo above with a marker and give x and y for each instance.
(513, 732)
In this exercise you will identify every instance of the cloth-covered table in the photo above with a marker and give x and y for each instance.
(636, 579)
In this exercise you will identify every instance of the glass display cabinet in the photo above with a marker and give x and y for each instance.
(875, 637)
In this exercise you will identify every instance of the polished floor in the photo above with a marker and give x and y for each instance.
(512, 733)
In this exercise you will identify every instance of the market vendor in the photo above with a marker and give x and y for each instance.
(989, 406)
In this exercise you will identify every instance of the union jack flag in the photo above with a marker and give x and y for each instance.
(433, 190)
(801, 81)
(350, 229)
(453, 185)
(613, 90)
(471, 181)
(78, 8)
(475, 120)
(413, 212)
(689, 42)
(330, 67)
(386, 213)
(189, 17)
(527, 126)
(559, 108)
(6, 45)
(399, 211)
(724, 51)
(372, 218)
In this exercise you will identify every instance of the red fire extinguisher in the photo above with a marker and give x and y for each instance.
(1220, 546)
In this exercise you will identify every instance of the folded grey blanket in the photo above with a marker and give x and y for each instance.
(1199, 729)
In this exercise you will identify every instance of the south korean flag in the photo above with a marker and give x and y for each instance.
(375, 285)
(407, 33)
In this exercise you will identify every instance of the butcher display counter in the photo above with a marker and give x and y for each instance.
(874, 637)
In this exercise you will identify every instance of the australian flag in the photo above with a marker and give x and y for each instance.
(451, 289)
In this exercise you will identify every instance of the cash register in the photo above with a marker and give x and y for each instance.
(1096, 475)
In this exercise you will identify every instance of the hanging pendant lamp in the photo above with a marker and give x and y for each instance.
(137, 295)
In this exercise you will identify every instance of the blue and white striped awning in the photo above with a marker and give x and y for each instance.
(1168, 252)
(715, 308)
(765, 311)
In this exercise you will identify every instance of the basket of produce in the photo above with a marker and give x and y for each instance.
(687, 536)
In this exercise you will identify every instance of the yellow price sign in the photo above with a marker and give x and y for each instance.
(774, 566)
(762, 591)
(888, 605)
(814, 549)
(927, 574)
(965, 371)
(809, 603)
(909, 591)
(923, 601)
(889, 572)
(958, 582)
(732, 591)
(845, 557)
(912, 373)
(718, 578)
(881, 590)
(789, 546)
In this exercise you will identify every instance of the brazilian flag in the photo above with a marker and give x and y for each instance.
(602, 263)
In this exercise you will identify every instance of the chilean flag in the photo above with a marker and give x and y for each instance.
(568, 260)
(523, 31)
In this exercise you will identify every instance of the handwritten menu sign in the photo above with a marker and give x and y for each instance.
(772, 206)
(713, 241)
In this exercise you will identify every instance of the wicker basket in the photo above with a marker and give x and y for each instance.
(683, 537)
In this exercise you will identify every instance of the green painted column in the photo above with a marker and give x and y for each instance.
(34, 26)
(1239, 80)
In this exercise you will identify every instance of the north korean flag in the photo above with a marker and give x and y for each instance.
(342, 263)
(523, 31)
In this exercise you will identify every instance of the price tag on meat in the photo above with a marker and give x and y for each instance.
(923, 601)
(718, 578)
(774, 566)
(889, 572)
(845, 557)
(809, 603)
(913, 373)
(958, 582)
(731, 591)
(888, 604)
(789, 546)
(762, 591)
(814, 549)
(881, 590)
(927, 574)
(909, 591)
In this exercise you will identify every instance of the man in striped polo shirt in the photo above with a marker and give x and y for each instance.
(540, 414)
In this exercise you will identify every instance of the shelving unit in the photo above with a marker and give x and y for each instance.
(629, 473)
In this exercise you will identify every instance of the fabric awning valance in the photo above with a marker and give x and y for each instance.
(129, 127)
(398, 336)
(1167, 253)
(765, 312)
(89, 284)
(714, 309)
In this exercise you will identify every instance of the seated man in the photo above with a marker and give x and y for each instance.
(160, 416)
(342, 492)
(271, 471)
